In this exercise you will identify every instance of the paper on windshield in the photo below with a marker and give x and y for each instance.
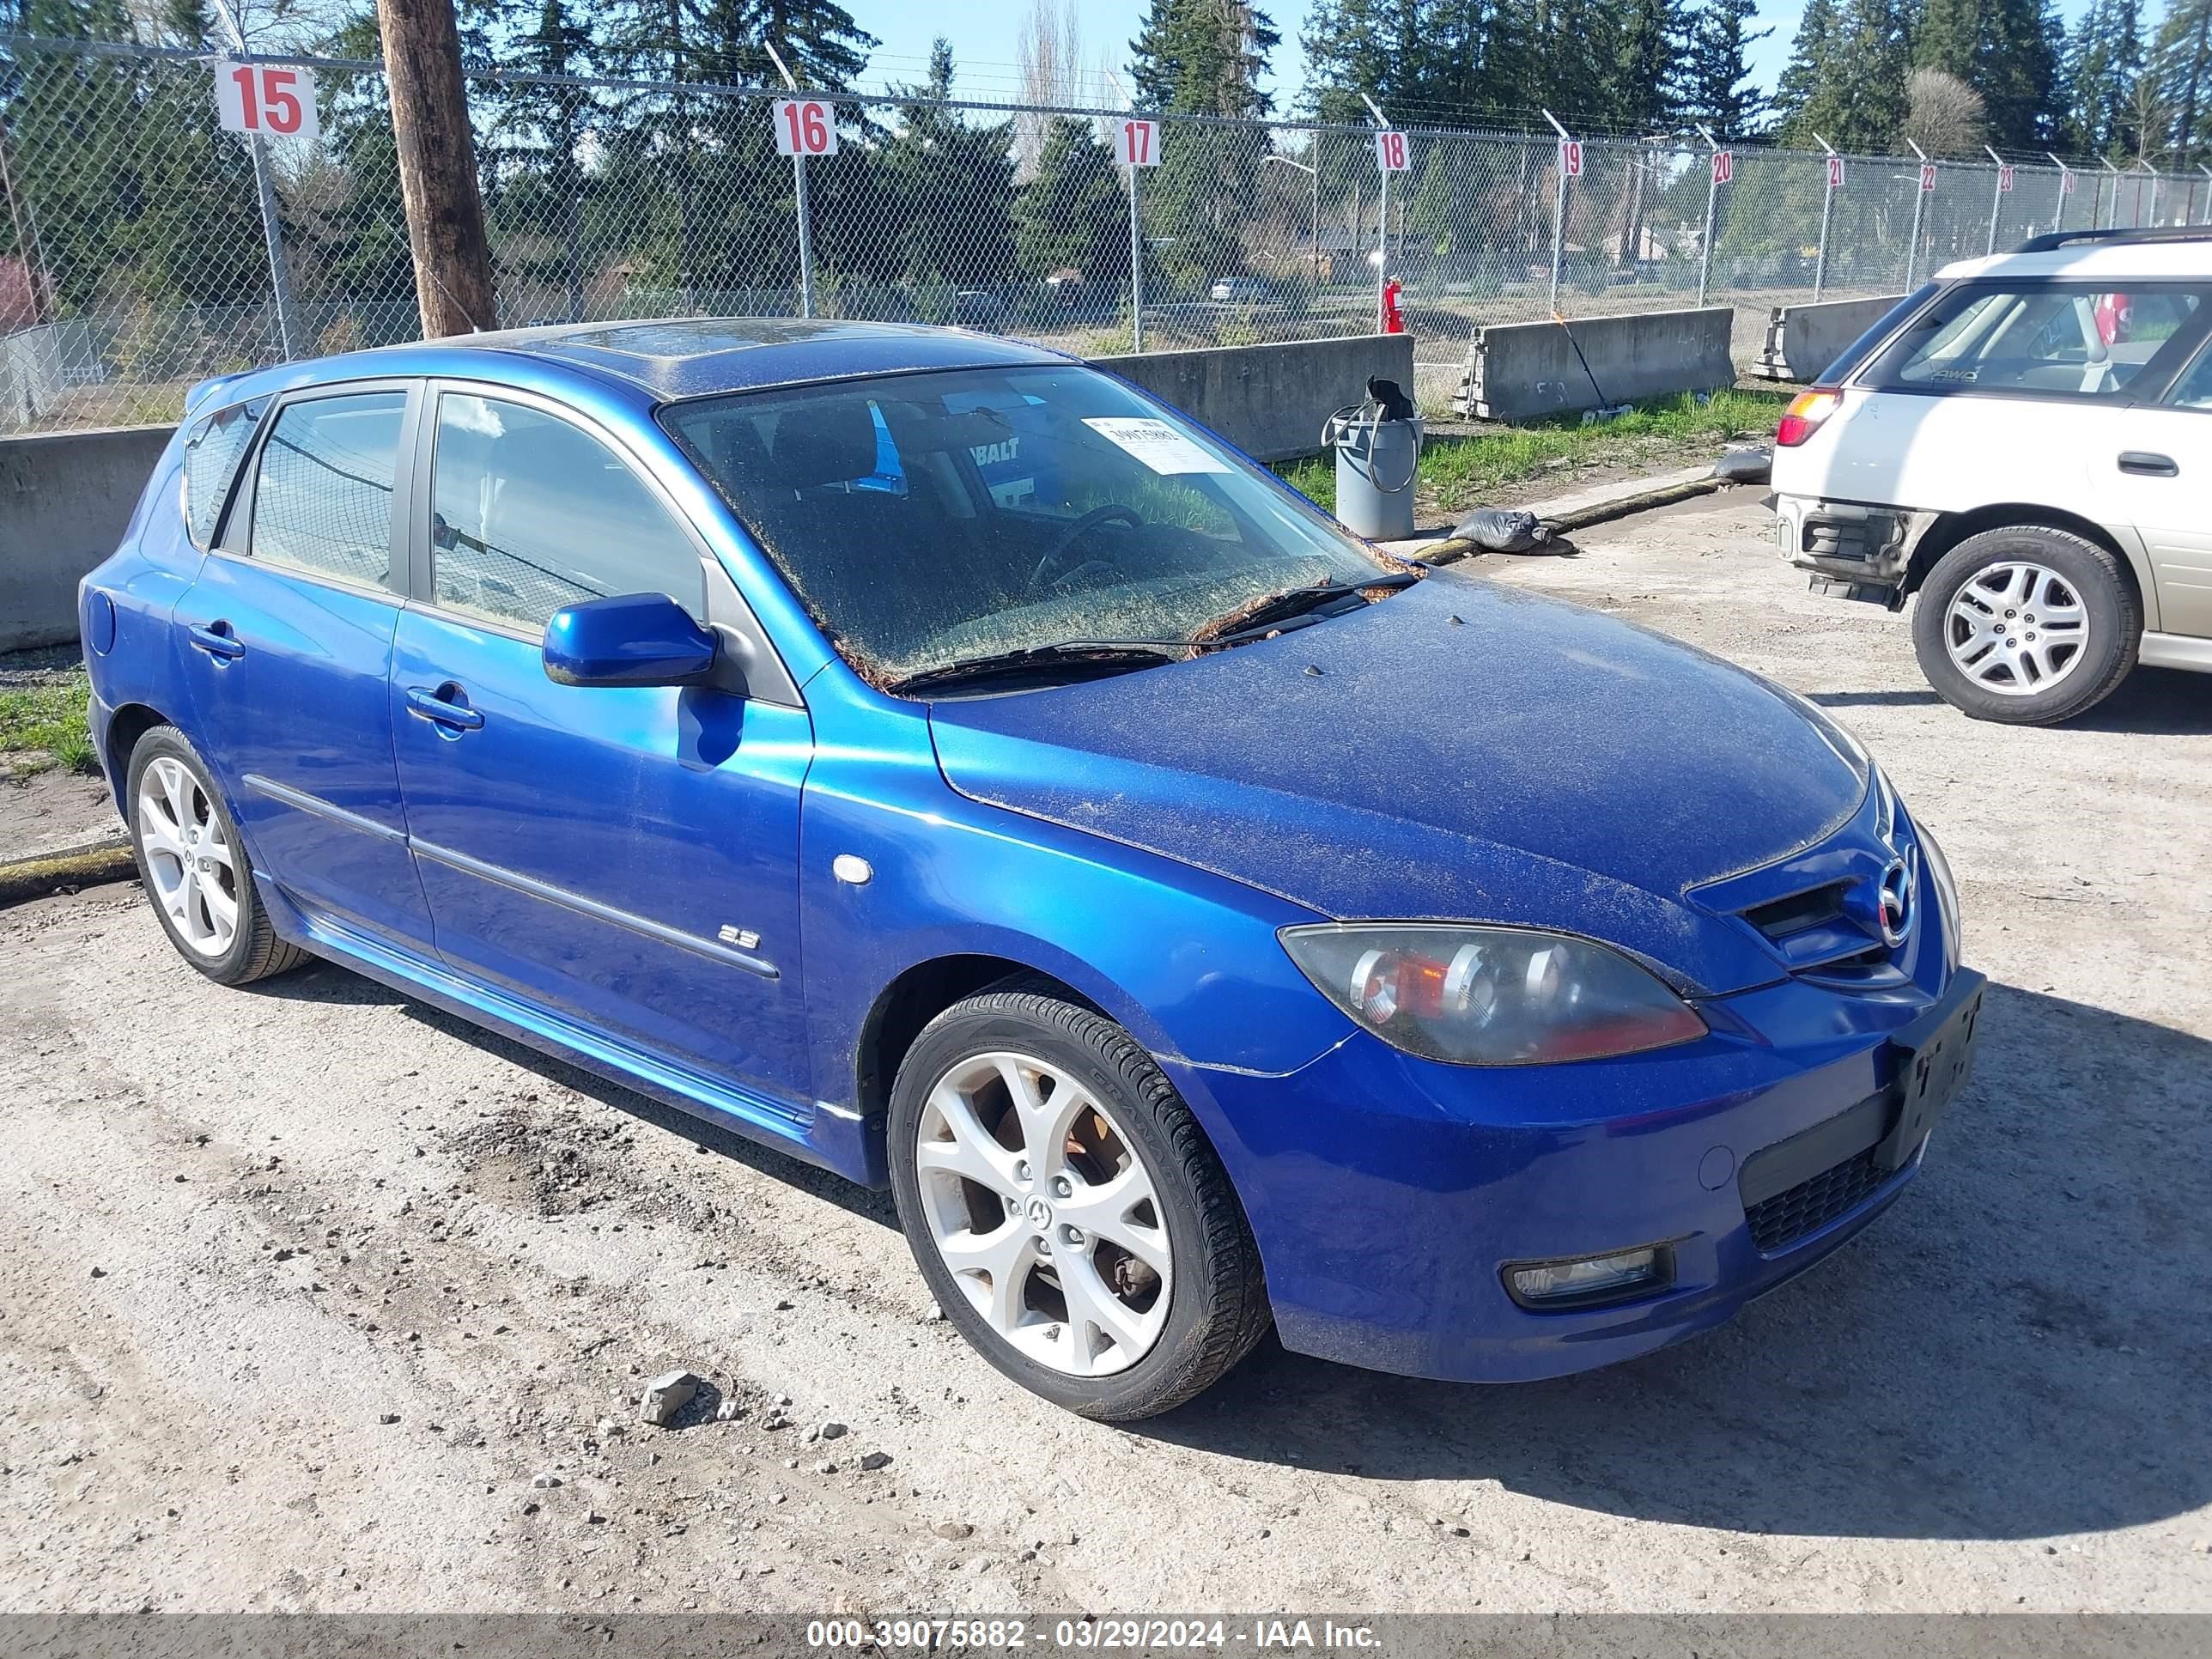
(1155, 443)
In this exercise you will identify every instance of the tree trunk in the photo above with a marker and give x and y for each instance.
(437, 167)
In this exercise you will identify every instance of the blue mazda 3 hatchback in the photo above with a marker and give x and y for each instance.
(932, 757)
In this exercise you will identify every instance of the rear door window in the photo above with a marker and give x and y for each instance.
(323, 499)
(2072, 340)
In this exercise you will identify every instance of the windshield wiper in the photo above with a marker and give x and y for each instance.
(1108, 656)
(1271, 613)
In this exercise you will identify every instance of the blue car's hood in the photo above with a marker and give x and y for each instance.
(1461, 750)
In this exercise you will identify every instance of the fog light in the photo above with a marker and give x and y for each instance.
(1588, 1280)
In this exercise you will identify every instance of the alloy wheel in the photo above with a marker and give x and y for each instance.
(190, 862)
(2016, 628)
(1047, 1218)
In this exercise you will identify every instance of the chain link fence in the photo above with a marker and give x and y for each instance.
(136, 258)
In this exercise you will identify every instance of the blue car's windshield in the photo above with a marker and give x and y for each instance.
(932, 518)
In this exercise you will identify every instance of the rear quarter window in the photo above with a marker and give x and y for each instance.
(213, 444)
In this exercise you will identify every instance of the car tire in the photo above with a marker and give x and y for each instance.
(1984, 647)
(1185, 1297)
(194, 866)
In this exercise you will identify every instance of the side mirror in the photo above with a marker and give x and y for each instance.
(632, 639)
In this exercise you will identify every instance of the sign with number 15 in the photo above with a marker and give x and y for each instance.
(273, 100)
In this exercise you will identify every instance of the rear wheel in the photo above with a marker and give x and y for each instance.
(194, 866)
(2027, 625)
(1067, 1210)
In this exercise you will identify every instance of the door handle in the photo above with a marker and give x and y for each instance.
(441, 707)
(2144, 465)
(218, 640)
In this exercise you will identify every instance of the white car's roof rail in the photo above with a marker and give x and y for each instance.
(2123, 233)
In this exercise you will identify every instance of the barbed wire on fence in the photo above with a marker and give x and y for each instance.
(134, 260)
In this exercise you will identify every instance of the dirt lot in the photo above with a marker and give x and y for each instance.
(308, 1296)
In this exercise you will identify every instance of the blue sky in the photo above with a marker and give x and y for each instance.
(982, 34)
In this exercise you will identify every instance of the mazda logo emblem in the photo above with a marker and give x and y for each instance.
(1895, 903)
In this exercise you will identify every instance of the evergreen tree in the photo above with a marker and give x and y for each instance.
(2105, 58)
(1813, 54)
(704, 166)
(2182, 59)
(943, 198)
(2005, 50)
(1717, 85)
(1644, 43)
(1071, 214)
(531, 134)
(139, 197)
(1851, 82)
(1205, 57)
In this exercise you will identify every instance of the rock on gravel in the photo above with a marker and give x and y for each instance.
(665, 1396)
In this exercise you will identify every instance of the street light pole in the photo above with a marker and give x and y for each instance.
(1996, 196)
(1381, 223)
(1558, 205)
(1919, 206)
(1828, 208)
(1712, 198)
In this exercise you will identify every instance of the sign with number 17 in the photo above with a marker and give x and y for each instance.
(270, 100)
(1137, 143)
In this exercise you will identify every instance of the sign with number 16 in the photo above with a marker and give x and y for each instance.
(805, 127)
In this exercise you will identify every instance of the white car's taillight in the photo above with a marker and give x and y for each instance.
(1807, 410)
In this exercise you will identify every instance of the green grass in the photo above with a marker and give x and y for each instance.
(1457, 472)
(44, 725)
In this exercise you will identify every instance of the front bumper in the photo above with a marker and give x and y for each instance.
(1387, 1192)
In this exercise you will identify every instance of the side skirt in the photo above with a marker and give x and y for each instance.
(821, 1134)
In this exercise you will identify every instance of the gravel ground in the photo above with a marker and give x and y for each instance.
(312, 1298)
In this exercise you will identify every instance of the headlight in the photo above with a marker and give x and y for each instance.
(1946, 894)
(1490, 996)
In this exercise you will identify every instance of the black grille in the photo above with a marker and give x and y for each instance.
(1813, 1204)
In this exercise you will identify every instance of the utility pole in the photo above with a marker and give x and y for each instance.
(437, 167)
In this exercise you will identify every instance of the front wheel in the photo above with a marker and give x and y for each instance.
(1065, 1209)
(2027, 625)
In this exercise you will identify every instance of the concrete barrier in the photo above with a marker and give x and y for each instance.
(1519, 371)
(1802, 341)
(64, 499)
(1270, 400)
(65, 496)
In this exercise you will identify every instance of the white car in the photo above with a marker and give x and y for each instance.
(2027, 444)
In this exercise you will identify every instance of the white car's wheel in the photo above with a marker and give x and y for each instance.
(1065, 1208)
(2027, 625)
